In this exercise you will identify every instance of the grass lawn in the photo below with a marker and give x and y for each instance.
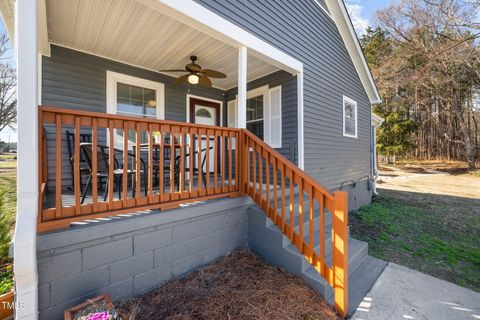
(433, 233)
(8, 199)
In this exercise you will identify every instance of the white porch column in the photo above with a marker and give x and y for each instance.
(25, 263)
(242, 88)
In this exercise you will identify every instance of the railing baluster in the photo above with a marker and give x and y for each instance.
(150, 163)
(207, 162)
(322, 236)
(111, 164)
(230, 168)
(254, 167)
(76, 165)
(284, 209)
(223, 160)
(161, 164)
(300, 215)
(310, 222)
(199, 164)
(215, 165)
(94, 165)
(237, 161)
(138, 156)
(191, 158)
(275, 194)
(267, 184)
(172, 160)
(247, 172)
(292, 205)
(181, 174)
(58, 173)
(125, 164)
(260, 176)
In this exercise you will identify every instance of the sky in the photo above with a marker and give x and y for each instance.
(7, 134)
(362, 13)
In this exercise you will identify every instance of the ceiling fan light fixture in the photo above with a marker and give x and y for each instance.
(193, 79)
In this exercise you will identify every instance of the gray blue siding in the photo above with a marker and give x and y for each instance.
(304, 31)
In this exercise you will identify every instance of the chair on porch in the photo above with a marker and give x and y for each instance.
(195, 170)
(103, 171)
(84, 170)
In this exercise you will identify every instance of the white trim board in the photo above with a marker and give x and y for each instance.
(25, 237)
(187, 111)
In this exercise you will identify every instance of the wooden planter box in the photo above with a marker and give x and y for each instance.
(104, 298)
(5, 311)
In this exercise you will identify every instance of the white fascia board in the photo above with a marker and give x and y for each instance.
(340, 15)
(43, 44)
(197, 16)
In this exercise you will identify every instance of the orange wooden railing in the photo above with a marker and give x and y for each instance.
(242, 164)
(266, 177)
(201, 142)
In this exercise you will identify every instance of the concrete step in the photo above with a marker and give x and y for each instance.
(270, 243)
(361, 281)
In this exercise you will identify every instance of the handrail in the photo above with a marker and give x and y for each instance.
(242, 164)
(263, 166)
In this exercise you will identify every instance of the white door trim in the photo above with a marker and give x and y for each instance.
(187, 111)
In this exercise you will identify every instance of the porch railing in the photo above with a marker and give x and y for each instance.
(182, 163)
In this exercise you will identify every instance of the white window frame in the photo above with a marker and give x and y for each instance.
(354, 103)
(113, 78)
(261, 91)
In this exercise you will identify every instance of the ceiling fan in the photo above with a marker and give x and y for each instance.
(196, 75)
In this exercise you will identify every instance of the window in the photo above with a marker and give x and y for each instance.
(264, 114)
(129, 95)
(255, 115)
(132, 96)
(133, 100)
(349, 117)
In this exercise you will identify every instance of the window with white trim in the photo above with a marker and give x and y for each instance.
(264, 114)
(349, 117)
(133, 96)
(255, 115)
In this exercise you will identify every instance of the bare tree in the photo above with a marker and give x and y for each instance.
(431, 71)
(8, 101)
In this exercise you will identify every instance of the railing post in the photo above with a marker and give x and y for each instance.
(242, 163)
(340, 252)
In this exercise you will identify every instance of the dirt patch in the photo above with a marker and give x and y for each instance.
(239, 286)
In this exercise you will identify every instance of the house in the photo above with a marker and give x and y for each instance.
(130, 174)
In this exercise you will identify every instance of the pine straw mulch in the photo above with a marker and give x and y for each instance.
(239, 286)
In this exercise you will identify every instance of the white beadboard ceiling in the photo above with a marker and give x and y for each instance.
(130, 32)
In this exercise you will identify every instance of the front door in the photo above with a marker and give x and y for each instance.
(205, 112)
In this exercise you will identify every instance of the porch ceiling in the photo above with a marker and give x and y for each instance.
(130, 32)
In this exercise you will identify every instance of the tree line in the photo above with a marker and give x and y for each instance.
(425, 59)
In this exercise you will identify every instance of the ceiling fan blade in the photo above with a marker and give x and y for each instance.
(213, 73)
(182, 79)
(172, 70)
(204, 81)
